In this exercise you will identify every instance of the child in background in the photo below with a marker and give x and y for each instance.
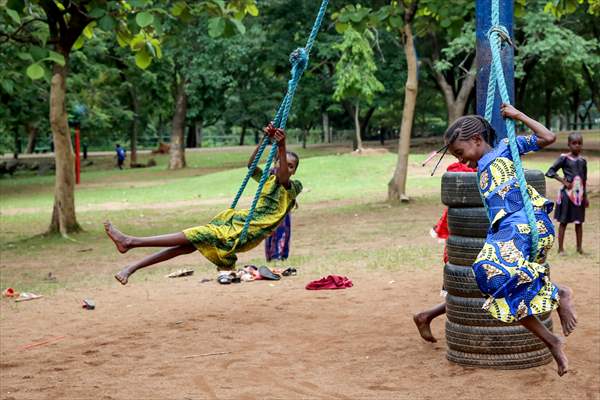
(572, 200)
(120, 156)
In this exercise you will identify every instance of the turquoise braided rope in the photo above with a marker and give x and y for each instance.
(299, 61)
(497, 80)
(251, 169)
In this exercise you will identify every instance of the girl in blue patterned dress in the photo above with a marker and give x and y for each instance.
(516, 289)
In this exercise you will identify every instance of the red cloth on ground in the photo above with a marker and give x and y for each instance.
(441, 228)
(330, 282)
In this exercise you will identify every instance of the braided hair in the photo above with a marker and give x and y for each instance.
(465, 128)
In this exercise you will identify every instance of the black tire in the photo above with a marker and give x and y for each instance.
(470, 222)
(501, 361)
(468, 311)
(463, 250)
(460, 189)
(460, 281)
(493, 339)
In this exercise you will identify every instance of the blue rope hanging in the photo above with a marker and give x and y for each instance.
(497, 80)
(299, 61)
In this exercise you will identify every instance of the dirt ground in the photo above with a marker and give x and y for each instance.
(182, 339)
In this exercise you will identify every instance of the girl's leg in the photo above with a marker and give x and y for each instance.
(125, 242)
(554, 342)
(561, 237)
(155, 258)
(424, 318)
(579, 236)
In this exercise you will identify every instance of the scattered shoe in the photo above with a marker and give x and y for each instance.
(290, 271)
(181, 272)
(267, 274)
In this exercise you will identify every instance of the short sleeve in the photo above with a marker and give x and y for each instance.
(554, 168)
(295, 188)
(257, 174)
(527, 144)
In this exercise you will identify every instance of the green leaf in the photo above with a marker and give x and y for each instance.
(144, 19)
(216, 26)
(143, 59)
(238, 25)
(56, 57)
(107, 23)
(35, 71)
(79, 42)
(151, 49)
(97, 12)
(138, 42)
(178, 8)
(88, 31)
(14, 15)
(25, 57)
(252, 10)
(340, 27)
(7, 85)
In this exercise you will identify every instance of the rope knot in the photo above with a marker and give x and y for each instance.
(502, 32)
(299, 58)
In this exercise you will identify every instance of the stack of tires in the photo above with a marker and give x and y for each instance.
(474, 338)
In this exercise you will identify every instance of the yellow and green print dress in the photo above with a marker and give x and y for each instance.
(515, 287)
(219, 240)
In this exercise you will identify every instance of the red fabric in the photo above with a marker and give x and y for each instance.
(330, 282)
(441, 228)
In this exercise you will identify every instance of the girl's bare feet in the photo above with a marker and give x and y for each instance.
(123, 276)
(424, 326)
(566, 310)
(557, 350)
(116, 236)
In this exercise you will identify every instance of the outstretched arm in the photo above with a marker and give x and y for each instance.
(544, 136)
(283, 172)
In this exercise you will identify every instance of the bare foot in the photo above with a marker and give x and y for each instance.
(581, 252)
(122, 276)
(558, 353)
(116, 236)
(566, 310)
(423, 325)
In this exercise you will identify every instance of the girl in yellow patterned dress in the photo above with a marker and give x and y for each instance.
(516, 288)
(219, 240)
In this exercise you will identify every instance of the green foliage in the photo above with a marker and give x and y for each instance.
(355, 71)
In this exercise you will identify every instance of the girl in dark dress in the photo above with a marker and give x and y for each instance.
(572, 200)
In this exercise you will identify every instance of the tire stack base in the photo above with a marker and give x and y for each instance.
(474, 338)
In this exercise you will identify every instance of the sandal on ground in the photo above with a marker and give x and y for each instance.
(225, 279)
(267, 274)
(290, 271)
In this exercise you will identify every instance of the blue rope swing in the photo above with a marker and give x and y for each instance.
(299, 61)
(496, 34)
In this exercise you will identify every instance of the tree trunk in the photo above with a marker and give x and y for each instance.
(575, 104)
(364, 126)
(31, 136)
(455, 105)
(199, 132)
(304, 136)
(177, 150)
(593, 86)
(63, 215)
(190, 141)
(397, 185)
(242, 135)
(548, 106)
(357, 127)
(325, 134)
(135, 104)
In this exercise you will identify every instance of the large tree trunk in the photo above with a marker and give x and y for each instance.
(63, 215)
(31, 136)
(135, 104)
(397, 185)
(177, 150)
(359, 146)
(364, 126)
(199, 132)
(325, 119)
(242, 135)
(455, 105)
